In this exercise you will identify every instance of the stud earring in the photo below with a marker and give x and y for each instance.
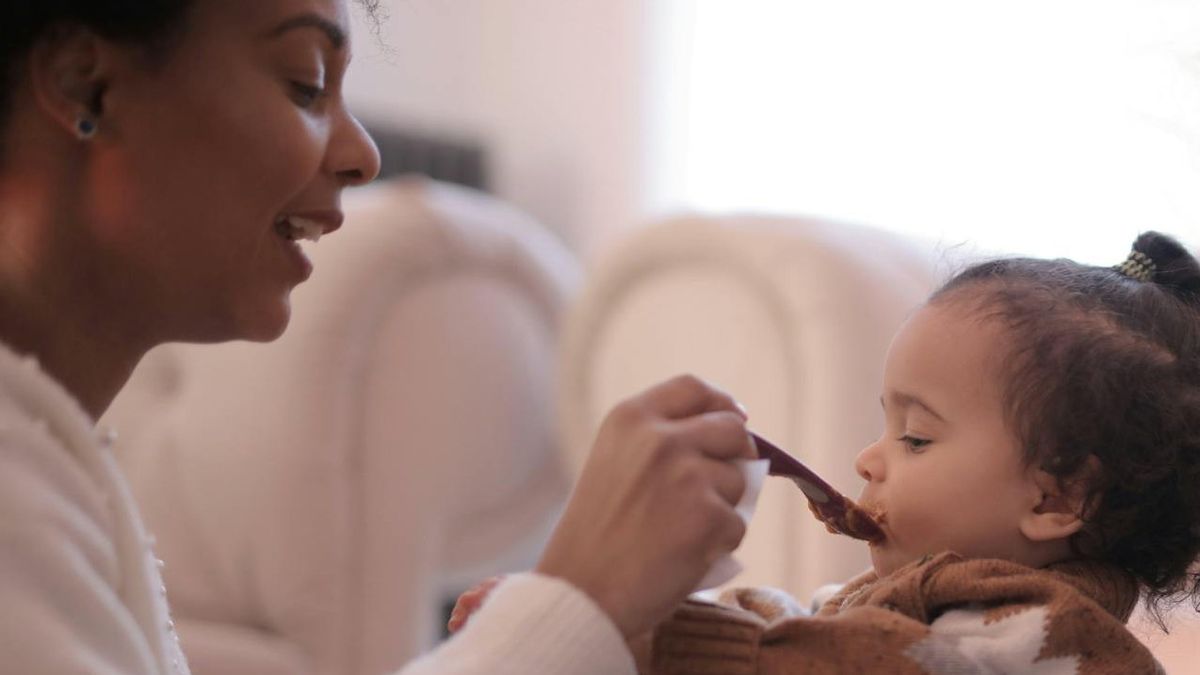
(85, 128)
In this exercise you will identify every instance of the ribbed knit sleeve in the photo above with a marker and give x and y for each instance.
(532, 624)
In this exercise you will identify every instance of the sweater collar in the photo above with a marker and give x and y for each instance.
(926, 587)
(43, 399)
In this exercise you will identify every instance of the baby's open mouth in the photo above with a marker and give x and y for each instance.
(852, 520)
(877, 515)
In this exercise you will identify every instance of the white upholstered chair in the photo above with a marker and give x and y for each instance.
(317, 500)
(793, 316)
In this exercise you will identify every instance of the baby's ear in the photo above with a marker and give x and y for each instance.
(1061, 503)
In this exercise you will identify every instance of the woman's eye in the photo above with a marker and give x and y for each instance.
(915, 444)
(306, 94)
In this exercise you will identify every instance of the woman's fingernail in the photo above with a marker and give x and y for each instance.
(742, 408)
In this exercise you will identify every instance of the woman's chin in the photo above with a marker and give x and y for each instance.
(257, 322)
(268, 327)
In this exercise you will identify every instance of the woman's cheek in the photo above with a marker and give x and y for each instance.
(303, 144)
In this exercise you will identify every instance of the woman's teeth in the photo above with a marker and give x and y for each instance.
(294, 228)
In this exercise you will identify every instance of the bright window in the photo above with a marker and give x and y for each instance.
(1045, 127)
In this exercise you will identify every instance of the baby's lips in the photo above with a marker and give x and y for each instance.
(877, 514)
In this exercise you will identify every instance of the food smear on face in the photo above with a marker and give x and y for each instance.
(841, 515)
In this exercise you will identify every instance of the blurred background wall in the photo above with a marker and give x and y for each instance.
(554, 90)
(1041, 126)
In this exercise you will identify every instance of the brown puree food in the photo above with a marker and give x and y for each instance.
(855, 521)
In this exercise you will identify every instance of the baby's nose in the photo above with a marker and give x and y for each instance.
(869, 463)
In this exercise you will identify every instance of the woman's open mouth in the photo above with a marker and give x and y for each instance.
(292, 231)
(295, 228)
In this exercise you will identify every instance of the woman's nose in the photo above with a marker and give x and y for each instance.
(353, 155)
(869, 463)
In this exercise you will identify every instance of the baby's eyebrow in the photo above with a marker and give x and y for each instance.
(905, 399)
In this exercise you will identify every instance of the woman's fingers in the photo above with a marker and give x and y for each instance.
(714, 437)
(686, 395)
(688, 399)
(728, 531)
(654, 506)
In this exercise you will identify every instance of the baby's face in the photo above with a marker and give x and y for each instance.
(947, 472)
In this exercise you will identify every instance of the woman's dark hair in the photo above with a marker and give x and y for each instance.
(1099, 364)
(146, 22)
(24, 22)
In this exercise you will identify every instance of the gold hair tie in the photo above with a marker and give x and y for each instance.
(1138, 266)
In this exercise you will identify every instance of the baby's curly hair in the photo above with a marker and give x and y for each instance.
(1100, 364)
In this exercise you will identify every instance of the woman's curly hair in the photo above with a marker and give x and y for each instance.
(1101, 365)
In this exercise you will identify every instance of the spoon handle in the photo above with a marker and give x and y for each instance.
(840, 514)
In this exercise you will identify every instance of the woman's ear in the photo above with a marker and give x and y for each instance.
(1060, 503)
(68, 71)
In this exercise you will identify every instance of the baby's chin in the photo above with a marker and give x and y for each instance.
(886, 559)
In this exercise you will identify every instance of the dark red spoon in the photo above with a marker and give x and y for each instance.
(840, 514)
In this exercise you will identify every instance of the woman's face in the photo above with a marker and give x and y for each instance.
(201, 154)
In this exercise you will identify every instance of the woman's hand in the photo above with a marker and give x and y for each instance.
(653, 508)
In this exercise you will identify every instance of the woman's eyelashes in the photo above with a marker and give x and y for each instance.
(306, 95)
(914, 444)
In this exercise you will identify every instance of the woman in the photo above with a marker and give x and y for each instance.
(158, 159)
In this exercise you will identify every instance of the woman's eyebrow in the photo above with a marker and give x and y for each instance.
(335, 33)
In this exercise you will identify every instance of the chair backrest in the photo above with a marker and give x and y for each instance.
(791, 315)
(318, 499)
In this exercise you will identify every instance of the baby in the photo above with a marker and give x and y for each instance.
(1039, 470)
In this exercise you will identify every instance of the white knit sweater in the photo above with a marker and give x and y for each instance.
(79, 584)
(80, 589)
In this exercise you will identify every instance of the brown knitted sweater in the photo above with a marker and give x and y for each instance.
(943, 614)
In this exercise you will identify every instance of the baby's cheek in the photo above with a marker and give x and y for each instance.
(914, 527)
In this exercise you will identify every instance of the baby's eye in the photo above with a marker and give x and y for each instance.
(915, 444)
